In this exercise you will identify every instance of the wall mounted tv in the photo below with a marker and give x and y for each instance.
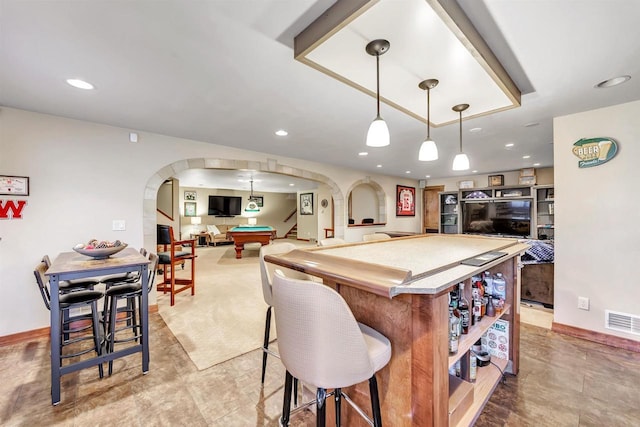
(225, 205)
(505, 218)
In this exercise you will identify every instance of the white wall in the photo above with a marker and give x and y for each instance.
(597, 213)
(84, 175)
(364, 203)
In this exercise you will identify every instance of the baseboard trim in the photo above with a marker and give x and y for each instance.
(599, 337)
(41, 332)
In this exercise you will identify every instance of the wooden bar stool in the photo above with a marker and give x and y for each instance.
(171, 256)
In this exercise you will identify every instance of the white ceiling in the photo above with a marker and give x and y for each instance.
(223, 72)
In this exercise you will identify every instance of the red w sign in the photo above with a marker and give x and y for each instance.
(11, 209)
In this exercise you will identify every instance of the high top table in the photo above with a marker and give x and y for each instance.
(400, 287)
(72, 265)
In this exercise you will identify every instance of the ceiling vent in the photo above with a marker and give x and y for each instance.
(622, 322)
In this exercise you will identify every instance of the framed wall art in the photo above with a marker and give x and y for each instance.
(259, 201)
(189, 208)
(496, 180)
(306, 204)
(190, 195)
(14, 185)
(405, 201)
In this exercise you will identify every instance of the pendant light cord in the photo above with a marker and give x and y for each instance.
(428, 116)
(378, 83)
(461, 131)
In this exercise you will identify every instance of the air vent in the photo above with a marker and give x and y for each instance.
(622, 322)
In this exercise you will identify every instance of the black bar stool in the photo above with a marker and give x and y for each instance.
(73, 329)
(132, 293)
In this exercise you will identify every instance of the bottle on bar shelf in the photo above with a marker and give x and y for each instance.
(454, 331)
(463, 309)
(476, 301)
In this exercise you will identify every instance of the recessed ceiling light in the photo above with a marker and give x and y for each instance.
(536, 164)
(475, 130)
(407, 171)
(526, 157)
(282, 132)
(613, 82)
(378, 166)
(80, 84)
(427, 176)
(474, 171)
(363, 153)
(291, 185)
(509, 145)
(531, 124)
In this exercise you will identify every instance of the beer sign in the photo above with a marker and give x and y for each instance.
(594, 151)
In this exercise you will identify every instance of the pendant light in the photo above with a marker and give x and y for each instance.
(428, 149)
(378, 134)
(252, 205)
(461, 161)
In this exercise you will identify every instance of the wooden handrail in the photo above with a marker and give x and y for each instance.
(290, 215)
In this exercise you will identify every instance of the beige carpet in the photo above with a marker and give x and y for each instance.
(226, 316)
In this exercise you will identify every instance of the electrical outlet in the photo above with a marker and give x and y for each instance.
(583, 303)
(118, 225)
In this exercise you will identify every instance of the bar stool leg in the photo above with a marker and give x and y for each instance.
(265, 345)
(97, 338)
(338, 397)
(286, 406)
(321, 408)
(375, 401)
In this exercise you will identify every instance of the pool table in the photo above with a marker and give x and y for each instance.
(242, 234)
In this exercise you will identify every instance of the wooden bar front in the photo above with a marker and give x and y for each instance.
(405, 297)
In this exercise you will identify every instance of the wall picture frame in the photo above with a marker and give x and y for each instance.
(190, 208)
(14, 185)
(306, 204)
(405, 201)
(496, 180)
(259, 201)
(190, 195)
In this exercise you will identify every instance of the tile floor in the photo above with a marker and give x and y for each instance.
(563, 381)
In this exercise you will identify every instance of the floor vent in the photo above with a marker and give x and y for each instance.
(622, 322)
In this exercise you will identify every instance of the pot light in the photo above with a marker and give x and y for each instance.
(474, 130)
(282, 132)
(80, 84)
(613, 82)
(509, 145)
(363, 153)
(536, 164)
(378, 166)
(407, 171)
(526, 157)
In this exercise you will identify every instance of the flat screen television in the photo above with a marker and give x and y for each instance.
(225, 205)
(505, 218)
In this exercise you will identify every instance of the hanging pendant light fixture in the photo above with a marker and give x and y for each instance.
(461, 161)
(428, 149)
(378, 134)
(252, 205)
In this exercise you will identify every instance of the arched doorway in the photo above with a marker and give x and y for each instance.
(154, 183)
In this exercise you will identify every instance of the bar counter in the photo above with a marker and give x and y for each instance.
(400, 288)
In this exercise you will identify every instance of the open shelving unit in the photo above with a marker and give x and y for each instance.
(449, 212)
(544, 214)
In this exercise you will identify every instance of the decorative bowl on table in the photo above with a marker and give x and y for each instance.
(97, 252)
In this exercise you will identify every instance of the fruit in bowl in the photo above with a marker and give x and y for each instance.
(99, 249)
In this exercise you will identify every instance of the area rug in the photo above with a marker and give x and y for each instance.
(225, 318)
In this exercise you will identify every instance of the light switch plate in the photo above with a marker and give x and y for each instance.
(118, 225)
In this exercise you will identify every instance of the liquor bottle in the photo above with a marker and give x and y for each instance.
(491, 310)
(499, 286)
(473, 367)
(454, 326)
(463, 309)
(487, 282)
(476, 303)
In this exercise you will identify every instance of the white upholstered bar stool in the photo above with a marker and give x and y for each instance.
(375, 236)
(332, 241)
(323, 345)
(266, 274)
